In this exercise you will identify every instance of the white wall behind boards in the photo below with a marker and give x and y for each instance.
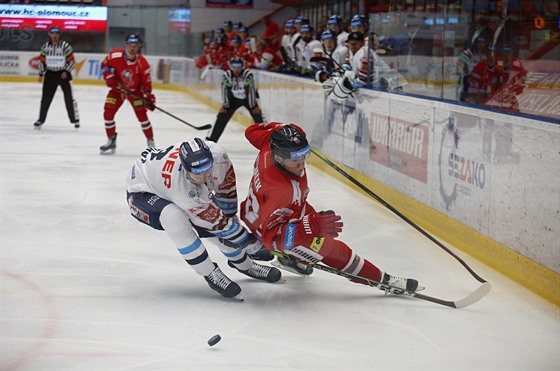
(496, 174)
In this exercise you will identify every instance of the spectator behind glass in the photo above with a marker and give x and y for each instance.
(272, 33)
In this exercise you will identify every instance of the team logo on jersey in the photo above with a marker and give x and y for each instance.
(192, 194)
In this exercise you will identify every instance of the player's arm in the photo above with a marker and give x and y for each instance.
(42, 61)
(108, 71)
(226, 194)
(70, 61)
(146, 84)
(259, 134)
(283, 230)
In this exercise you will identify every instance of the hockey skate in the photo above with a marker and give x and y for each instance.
(38, 124)
(151, 143)
(220, 283)
(262, 255)
(76, 124)
(260, 272)
(110, 147)
(290, 264)
(407, 284)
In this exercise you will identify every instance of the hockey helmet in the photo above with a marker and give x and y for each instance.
(289, 143)
(328, 34)
(195, 156)
(133, 38)
(54, 29)
(334, 19)
(358, 21)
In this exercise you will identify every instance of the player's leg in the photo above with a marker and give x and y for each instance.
(224, 115)
(50, 84)
(71, 104)
(161, 214)
(142, 115)
(237, 245)
(337, 254)
(113, 102)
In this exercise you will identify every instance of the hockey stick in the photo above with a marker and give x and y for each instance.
(128, 92)
(470, 299)
(399, 214)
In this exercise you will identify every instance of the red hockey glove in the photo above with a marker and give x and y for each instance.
(150, 101)
(322, 224)
(111, 82)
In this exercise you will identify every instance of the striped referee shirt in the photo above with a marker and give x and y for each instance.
(242, 87)
(56, 57)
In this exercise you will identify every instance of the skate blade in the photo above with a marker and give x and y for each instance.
(238, 297)
(278, 265)
(108, 152)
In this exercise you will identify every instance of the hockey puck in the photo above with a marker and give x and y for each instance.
(214, 340)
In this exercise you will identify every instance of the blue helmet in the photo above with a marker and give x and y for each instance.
(195, 156)
(328, 35)
(133, 38)
(334, 19)
(359, 20)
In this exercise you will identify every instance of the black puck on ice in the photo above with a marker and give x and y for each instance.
(214, 340)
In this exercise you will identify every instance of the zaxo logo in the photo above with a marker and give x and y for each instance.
(457, 173)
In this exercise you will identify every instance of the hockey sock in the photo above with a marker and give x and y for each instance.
(147, 129)
(343, 258)
(110, 128)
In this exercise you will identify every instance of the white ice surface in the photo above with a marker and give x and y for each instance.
(84, 286)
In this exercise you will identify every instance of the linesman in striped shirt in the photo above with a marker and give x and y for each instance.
(56, 63)
(238, 90)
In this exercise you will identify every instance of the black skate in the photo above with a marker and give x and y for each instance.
(292, 265)
(260, 272)
(76, 124)
(407, 284)
(262, 255)
(220, 283)
(109, 147)
(37, 125)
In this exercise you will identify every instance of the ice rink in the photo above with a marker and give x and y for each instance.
(84, 286)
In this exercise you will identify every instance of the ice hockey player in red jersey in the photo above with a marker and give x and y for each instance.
(189, 190)
(277, 211)
(127, 74)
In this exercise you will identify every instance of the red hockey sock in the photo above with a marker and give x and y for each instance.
(343, 258)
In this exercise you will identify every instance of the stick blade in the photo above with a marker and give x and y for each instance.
(475, 296)
(204, 127)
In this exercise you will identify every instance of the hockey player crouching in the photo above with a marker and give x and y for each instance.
(276, 209)
(188, 187)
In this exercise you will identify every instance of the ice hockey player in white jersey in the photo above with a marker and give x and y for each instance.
(189, 190)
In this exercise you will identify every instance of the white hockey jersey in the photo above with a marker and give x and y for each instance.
(159, 171)
(305, 52)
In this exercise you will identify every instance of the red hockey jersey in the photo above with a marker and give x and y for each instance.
(134, 76)
(275, 197)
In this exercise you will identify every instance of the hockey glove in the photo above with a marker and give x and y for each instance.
(150, 100)
(111, 82)
(250, 244)
(322, 224)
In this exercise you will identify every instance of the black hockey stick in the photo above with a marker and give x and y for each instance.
(470, 299)
(148, 103)
(398, 213)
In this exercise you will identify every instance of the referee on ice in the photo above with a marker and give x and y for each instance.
(56, 63)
